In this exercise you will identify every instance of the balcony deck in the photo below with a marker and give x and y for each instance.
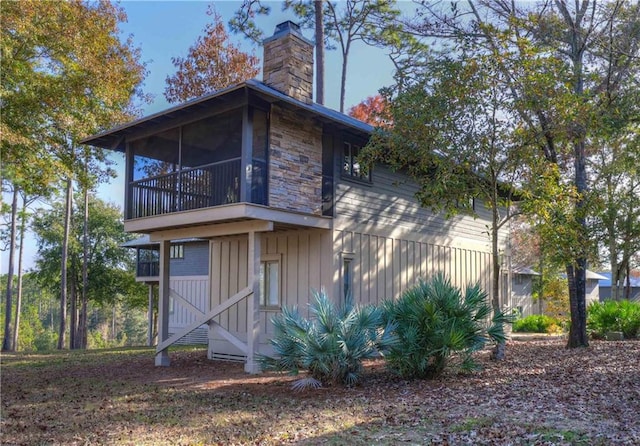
(200, 187)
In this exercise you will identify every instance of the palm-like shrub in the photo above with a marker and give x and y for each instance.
(331, 345)
(613, 315)
(437, 326)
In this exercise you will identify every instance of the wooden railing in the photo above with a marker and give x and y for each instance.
(199, 187)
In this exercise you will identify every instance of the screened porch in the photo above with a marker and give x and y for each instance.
(199, 165)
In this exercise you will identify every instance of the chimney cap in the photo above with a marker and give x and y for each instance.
(284, 28)
(287, 26)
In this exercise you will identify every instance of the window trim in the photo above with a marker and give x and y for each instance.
(346, 257)
(176, 251)
(277, 259)
(368, 179)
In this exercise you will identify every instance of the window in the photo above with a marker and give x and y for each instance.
(347, 275)
(176, 251)
(470, 204)
(270, 283)
(351, 167)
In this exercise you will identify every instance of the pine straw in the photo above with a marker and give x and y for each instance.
(542, 394)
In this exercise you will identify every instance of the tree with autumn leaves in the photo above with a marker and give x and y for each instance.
(66, 74)
(212, 63)
(373, 110)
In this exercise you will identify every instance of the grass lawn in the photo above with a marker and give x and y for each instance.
(542, 394)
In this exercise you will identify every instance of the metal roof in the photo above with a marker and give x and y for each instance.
(145, 242)
(113, 139)
(524, 271)
(606, 282)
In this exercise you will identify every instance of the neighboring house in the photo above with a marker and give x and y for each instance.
(605, 288)
(522, 292)
(592, 288)
(189, 266)
(272, 181)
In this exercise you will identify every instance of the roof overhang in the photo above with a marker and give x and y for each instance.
(237, 95)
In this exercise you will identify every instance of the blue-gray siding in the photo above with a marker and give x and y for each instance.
(195, 262)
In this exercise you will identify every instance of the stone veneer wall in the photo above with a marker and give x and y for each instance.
(288, 65)
(295, 162)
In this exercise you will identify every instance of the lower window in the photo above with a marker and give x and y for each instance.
(270, 283)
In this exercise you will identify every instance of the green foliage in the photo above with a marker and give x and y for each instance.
(537, 323)
(439, 326)
(110, 267)
(613, 315)
(331, 345)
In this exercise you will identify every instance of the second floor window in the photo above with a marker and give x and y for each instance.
(351, 168)
(176, 251)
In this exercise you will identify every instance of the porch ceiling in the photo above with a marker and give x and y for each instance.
(191, 223)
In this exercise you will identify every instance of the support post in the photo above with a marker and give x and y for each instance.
(162, 356)
(253, 303)
(150, 317)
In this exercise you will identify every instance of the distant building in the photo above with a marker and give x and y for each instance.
(605, 288)
(522, 292)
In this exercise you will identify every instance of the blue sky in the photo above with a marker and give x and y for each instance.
(165, 29)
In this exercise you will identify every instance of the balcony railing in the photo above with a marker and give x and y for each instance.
(148, 269)
(199, 187)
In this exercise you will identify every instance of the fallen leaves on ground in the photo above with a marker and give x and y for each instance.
(542, 394)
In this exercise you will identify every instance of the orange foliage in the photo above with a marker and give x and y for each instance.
(212, 63)
(374, 110)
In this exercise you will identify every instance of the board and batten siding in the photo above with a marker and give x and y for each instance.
(393, 241)
(385, 266)
(305, 265)
(522, 295)
(194, 289)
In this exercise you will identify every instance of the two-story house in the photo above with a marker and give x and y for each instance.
(271, 180)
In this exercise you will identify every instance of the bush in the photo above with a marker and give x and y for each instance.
(537, 323)
(613, 315)
(437, 326)
(331, 346)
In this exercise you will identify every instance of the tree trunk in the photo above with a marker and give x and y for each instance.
(627, 291)
(63, 262)
(23, 224)
(6, 342)
(343, 78)
(82, 332)
(577, 272)
(500, 350)
(319, 51)
(577, 293)
(73, 299)
(576, 277)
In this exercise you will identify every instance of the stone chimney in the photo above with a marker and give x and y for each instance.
(287, 65)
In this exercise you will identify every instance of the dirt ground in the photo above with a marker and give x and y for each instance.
(542, 394)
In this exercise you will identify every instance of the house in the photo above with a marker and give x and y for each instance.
(605, 291)
(522, 284)
(592, 293)
(522, 291)
(272, 181)
(189, 266)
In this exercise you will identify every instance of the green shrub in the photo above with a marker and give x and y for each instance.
(437, 326)
(331, 345)
(537, 323)
(613, 315)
